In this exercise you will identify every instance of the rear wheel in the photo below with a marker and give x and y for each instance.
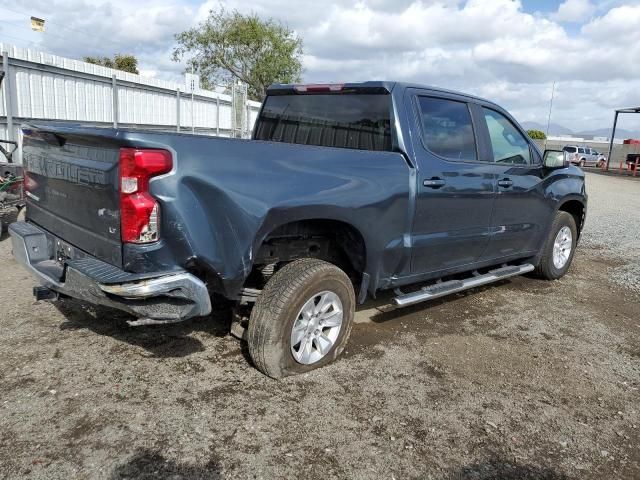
(559, 248)
(582, 163)
(302, 319)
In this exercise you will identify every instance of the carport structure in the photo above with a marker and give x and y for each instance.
(613, 130)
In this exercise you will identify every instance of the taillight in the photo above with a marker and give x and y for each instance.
(28, 182)
(139, 211)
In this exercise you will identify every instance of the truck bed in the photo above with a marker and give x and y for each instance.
(222, 196)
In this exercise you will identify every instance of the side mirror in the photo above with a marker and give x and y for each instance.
(555, 159)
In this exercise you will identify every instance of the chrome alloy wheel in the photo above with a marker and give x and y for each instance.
(316, 327)
(562, 247)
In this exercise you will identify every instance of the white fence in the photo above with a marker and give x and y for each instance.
(41, 86)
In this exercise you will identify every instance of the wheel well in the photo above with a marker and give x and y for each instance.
(331, 240)
(576, 209)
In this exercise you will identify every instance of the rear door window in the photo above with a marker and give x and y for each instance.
(447, 129)
(359, 120)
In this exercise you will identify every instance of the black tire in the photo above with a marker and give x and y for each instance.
(582, 163)
(277, 307)
(7, 217)
(545, 268)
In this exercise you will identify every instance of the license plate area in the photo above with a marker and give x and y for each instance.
(62, 252)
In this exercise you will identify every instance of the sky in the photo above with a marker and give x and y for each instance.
(508, 51)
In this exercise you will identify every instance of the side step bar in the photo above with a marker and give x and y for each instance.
(445, 288)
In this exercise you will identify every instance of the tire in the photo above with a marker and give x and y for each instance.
(279, 308)
(546, 268)
(582, 163)
(7, 217)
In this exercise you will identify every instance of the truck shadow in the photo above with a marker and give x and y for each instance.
(151, 465)
(497, 467)
(163, 341)
(176, 341)
(385, 312)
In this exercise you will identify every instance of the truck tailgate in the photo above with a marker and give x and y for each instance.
(71, 188)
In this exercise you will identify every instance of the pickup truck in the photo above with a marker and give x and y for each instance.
(343, 191)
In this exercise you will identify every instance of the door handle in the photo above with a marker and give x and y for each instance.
(434, 182)
(505, 183)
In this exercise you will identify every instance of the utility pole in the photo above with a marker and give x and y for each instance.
(553, 89)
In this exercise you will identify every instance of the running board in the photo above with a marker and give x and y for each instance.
(446, 288)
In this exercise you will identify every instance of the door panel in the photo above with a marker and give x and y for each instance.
(519, 211)
(455, 190)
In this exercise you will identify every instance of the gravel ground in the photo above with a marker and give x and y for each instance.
(614, 226)
(522, 380)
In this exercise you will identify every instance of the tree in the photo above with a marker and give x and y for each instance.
(536, 134)
(126, 63)
(230, 46)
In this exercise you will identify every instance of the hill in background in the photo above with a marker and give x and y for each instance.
(556, 129)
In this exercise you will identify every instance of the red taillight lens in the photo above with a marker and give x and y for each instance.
(319, 87)
(139, 211)
(29, 183)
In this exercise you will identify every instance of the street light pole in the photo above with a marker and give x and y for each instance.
(553, 89)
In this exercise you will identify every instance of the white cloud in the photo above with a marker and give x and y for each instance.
(491, 48)
(574, 11)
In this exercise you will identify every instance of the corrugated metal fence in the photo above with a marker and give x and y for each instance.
(41, 86)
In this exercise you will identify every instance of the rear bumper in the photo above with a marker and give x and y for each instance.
(161, 296)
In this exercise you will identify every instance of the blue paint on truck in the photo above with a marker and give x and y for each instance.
(409, 183)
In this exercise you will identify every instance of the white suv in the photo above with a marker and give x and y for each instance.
(584, 156)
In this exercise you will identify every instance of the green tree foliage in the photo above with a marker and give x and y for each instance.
(229, 46)
(126, 63)
(536, 134)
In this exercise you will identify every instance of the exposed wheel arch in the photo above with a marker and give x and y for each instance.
(315, 237)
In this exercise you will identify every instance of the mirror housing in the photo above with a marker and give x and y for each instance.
(555, 159)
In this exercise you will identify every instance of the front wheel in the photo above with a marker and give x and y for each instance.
(302, 319)
(559, 248)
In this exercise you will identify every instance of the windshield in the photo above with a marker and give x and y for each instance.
(360, 121)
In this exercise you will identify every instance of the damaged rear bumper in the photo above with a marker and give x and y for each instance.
(160, 297)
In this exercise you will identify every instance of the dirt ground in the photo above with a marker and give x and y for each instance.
(522, 380)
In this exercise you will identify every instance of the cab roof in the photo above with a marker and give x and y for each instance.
(375, 86)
